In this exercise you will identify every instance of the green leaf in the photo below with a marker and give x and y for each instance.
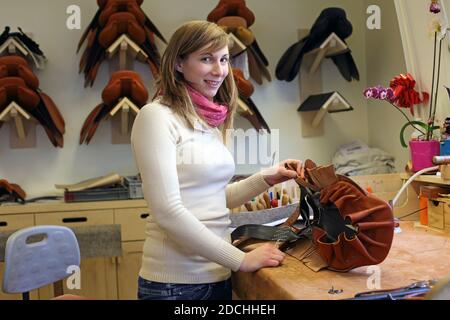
(419, 123)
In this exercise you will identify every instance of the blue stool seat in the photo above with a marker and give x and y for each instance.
(31, 265)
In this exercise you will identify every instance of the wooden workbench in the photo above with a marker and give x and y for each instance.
(417, 253)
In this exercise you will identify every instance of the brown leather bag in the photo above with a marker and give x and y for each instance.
(350, 228)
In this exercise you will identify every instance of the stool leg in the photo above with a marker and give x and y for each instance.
(58, 288)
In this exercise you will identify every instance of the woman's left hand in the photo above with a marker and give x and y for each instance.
(284, 171)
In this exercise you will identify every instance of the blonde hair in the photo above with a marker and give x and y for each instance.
(188, 38)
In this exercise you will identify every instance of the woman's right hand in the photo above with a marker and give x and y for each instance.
(266, 255)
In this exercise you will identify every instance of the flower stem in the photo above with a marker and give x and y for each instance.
(432, 78)
(436, 89)
(409, 121)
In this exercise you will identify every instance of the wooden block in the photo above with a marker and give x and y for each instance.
(436, 214)
(447, 216)
(432, 192)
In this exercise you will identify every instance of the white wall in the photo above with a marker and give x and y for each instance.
(384, 53)
(37, 170)
(419, 51)
(387, 59)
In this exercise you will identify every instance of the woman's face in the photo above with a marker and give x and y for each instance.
(205, 70)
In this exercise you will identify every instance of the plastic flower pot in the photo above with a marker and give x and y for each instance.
(422, 153)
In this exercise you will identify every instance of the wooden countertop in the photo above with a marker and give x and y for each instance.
(59, 206)
(426, 178)
(418, 253)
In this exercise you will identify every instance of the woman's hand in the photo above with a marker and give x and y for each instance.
(266, 255)
(286, 170)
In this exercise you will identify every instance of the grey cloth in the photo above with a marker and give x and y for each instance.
(262, 216)
(94, 241)
(366, 162)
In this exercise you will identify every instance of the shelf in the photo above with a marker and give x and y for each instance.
(320, 104)
(60, 206)
(426, 178)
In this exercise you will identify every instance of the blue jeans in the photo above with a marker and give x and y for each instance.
(150, 290)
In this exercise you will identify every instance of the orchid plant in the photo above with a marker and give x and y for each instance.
(401, 92)
(402, 96)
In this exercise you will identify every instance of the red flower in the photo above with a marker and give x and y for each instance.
(404, 92)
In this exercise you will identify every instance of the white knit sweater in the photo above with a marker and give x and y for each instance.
(185, 174)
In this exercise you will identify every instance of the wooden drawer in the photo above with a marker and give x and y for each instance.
(128, 267)
(447, 216)
(436, 214)
(16, 222)
(132, 222)
(76, 218)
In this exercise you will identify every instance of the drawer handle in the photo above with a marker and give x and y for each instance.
(3, 224)
(145, 215)
(74, 220)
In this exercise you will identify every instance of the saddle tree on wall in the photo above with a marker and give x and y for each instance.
(128, 51)
(125, 91)
(22, 128)
(22, 102)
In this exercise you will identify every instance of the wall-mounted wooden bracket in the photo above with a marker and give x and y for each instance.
(238, 47)
(120, 125)
(126, 47)
(332, 45)
(22, 126)
(243, 108)
(12, 46)
(315, 104)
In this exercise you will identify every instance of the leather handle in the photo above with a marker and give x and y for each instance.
(300, 180)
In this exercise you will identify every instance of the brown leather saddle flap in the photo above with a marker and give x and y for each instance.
(91, 124)
(245, 87)
(125, 84)
(14, 89)
(119, 24)
(115, 6)
(232, 8)
(54, 113)
(14, 190)
(15, 66)
(103, 3)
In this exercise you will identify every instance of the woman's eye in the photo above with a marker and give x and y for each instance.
(206, 59)
(224, 60)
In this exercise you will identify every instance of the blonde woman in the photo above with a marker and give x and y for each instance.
(185, 170)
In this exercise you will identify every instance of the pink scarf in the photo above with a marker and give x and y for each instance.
(214, 114)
